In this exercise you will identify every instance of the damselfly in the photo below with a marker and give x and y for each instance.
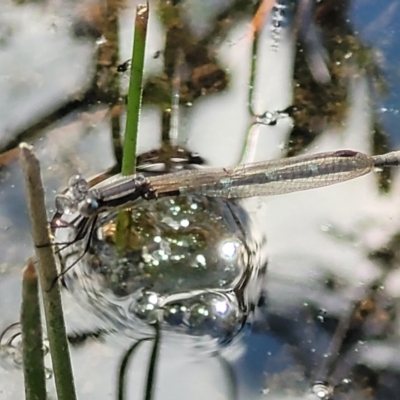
(265, 178)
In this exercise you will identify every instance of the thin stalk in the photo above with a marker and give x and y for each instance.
(47, 271)
(32, 337)
(151, 372)
(249, 144)
(257, 25)
(123, 231)
(124, 368)
(250, 94)
(253, 72)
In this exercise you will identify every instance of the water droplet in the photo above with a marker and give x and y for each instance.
(326, 228)
(48, 373)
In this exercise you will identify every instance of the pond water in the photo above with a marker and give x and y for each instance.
(323, 321)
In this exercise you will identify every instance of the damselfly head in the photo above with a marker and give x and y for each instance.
(68, 202)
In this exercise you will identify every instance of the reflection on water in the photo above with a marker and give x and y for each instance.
(11, 350)
(192, 259)
(10, 346)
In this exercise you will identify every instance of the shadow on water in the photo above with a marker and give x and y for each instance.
(255, 80)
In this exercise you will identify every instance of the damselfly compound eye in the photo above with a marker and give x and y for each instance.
(74, 180)
(78, 186)
(65, 205)
(88, 206)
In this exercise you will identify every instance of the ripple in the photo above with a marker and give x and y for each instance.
(194, 276)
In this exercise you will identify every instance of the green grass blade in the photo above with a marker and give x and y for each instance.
(135, 90)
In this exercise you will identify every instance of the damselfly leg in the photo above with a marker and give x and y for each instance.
(80, 226)
(84, 230)
(88, 231)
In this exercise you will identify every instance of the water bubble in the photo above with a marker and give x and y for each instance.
(184, 260)
(322, 390)
(175, 314)
(145, 306)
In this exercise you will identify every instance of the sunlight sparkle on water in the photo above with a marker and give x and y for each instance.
(221, 307)
(201, 259)
(157, 239)
(185, 223)
(153, 298)
(229, 249)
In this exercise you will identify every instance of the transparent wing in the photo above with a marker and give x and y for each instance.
(267, 178)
